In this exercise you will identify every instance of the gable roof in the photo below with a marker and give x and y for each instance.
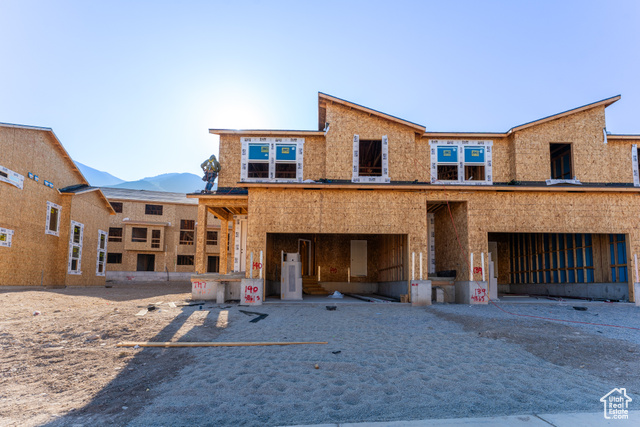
(84, 184)
(604, 102)
(326, 97)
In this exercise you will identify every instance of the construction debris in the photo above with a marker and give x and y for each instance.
(208, 344)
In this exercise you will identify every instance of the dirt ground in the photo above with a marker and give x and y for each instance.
(58, 348)
(59, 362)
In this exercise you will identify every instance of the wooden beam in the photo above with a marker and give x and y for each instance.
(209, 344)
(233, 203)
(220, 213)
(201, 240)
(224, 239)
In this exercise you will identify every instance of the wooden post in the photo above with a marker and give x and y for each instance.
(635, 257)
(224, 241)
(251, 266)
(233, 246)
(318, 273)
(201, 240)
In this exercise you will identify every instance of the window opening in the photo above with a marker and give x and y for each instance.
(138, 234)
(117, 206)
(153, 209)
(185, 260)
(258, 161)
(187, 231)
(5, 237)
(102, 253)
(212, 238)
(461, 162)
(155, 239)
(561, 161)
(53, 219)
(114, 258)
(370, 158)
(11, 177)
(115, 234)
(75, 248)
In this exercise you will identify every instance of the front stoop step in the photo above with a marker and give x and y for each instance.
(310, 286)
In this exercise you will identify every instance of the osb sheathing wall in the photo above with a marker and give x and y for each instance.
(166, 255)
(546, 212)
(230, 157)
(448, 253)
(89, 210)
(34, 257)
(344, 122)
(336, 212)
(593, 160)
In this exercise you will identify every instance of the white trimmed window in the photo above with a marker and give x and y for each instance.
(53, 219)
(11, 177)
(634, 162)
(370, 160)
(75, 248)
(461, 162)
(5, 237)
(272, 159)
(102, 253)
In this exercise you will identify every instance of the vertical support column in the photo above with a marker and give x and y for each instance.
(201, 240)
(234, 250)
(224, 241)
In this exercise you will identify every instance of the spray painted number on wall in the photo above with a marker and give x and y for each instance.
(250, 294)
(257, 265)
(479, 295)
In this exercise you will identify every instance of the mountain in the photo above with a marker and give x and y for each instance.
(170, 182)
(98, 178)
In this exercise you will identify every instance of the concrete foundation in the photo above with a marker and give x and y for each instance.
(636, 293)
(392, 289)
(437, 294)
(147, 276)
(214, 286)
(614, 291)
(471, 293)
(251, 292)
(420, 292)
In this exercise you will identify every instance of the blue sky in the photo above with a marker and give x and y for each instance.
(132, 87)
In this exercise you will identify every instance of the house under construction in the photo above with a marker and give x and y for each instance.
(548, 207)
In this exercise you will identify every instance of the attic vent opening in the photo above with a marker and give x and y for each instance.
(370, 158)
(561, 167)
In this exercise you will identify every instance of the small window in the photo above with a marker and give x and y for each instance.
(264, 159)
(53, 219)
(155, 239)
(370, 158)
(187, 233)
(447, 163)
(5, 237)
(153, 209)
(212, 238)
(138, 234)
(561, 167)
(117, 206)
(115, 234)
(474, 161)
(75, 248)
(114, 258)
(102, 253)
(185, 260)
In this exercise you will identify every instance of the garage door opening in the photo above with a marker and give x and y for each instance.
(361, 264)
(582, 265)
